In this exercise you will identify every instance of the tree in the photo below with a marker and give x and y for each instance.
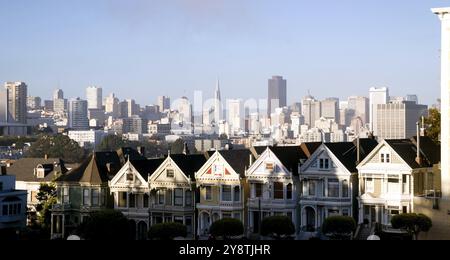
(111, 143)
(413, 223)
(177, 147)
(46, 198)
(339, 227)
(227, 227)
(58, 146)
(433, 124)
(106, 224)
(167, 231)
(277, 227)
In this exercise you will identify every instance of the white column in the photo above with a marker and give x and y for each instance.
(444, 16)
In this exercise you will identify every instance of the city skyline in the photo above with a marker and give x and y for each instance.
(55, 48)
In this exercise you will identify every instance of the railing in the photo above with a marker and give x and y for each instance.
(432, 194)
(64, 206)
(328, 199)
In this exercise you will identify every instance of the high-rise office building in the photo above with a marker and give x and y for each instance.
(235, 108)
(163, 103)
(94, 97)
(330, 108)
(397, 119)
(33, 102)
(112, 105)
(218, 111)
(311, 110)
(378, 96)
(60, 105)
(133, 124)
(3, 105)
(58, 94)
(413, 98)
(360, 106)
(131, 107)
(78, 114)
(277, 94)
(17, 102)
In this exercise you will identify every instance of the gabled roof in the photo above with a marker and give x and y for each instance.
(88, 172)
(407, 150)
(346, 152)
(23, 169)
(190, 163)
(126, 153)
(147, 167)
(310, 148)
(239, 160)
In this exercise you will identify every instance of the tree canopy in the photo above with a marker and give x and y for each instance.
(177, 147)
(433, 124)
(277, 226)
(167, 231)
(106, 224)
(46, 198)
(339, 227)
(227, 227)
(413, 223)
(58, 146)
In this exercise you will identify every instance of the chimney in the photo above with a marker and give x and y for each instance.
(141, 150)
(46, 156)
(418, 158)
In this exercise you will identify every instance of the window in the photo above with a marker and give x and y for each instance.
(146, 200)
(405, 209)
(178, 193)
(385, 158)
(102, 197)
(345, 188)
(333, 212)
(65, 191)
(388, 158)
(226, 193)
(122, 199)
(393, 185)
(270, 167)
(258, 190)
(132, 198)
(345, 212)
(382, 158)
(188, 198)
(208, 193)
(85, 197)
(333, 188)
(5, 210)
(178, 219)
(405, 187)
(95, 197)
(289, 191)
(188, 223)
(170, 173)
(130, 176)
(278, 190)
(161, 197)
(1, 186)
(369, 185)
(309, 188)
(226, 215)
(237, 194)
(324, 163)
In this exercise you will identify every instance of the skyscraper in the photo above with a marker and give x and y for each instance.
(163, 103)
(378, 96)
(78, 114)
(397, 119)
(277, 94)
(3, 105)
(330, 108)
(17, 102)
(58, 94)
(131, 107)
(34, 102)
(218, 113)
(235, 115)
(94, 97)
(311, 110)
(360, 106)
(112, 105)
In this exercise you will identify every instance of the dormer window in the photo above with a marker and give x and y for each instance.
(170, 173)
(40, 173)
(324, 163)
(385, 158)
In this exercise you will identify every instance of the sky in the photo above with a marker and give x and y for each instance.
(142, 49)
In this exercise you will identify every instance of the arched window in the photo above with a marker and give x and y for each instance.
(289, 191)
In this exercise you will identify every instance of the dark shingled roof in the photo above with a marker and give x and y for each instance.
(147, 167)
(101, 167)
(407, 150)
(239, 160)
(23, 169)
(310, 148)
(190, 163)
(346, 152)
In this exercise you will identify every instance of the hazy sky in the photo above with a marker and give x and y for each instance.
(144, 48)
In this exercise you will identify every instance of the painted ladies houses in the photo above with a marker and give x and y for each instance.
(274, 184)
(223, 189)
(173, 192)
(131, 194)
(329, 181)
(84, 189)
(391, 175)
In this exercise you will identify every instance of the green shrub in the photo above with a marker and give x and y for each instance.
(167, 231)
(339, 227)
(227, 227)
(277, 226)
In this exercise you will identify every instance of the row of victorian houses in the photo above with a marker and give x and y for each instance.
(364, 179)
